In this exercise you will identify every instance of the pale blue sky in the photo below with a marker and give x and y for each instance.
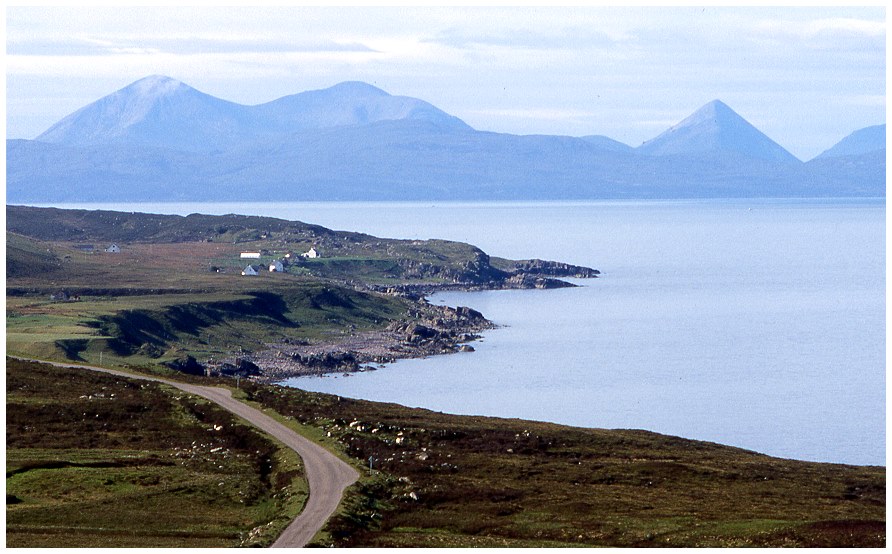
(806, 77)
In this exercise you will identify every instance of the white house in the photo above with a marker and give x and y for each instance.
(311, 253)
(250, 255)
(250, 270)
(114, 248)
(276, 265)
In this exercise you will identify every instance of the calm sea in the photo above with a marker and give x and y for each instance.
(758, 324)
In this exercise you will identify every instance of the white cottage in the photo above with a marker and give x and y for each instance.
(250, 270)
(276, 265)
(114, 249)
(311, 253)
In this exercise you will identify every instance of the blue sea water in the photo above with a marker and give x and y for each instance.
(753, 323)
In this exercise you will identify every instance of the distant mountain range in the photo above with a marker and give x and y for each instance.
(159, 139)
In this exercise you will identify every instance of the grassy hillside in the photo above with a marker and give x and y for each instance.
(217, 241)
(444, 480)
(99, 461)
(96, 460)
(147, 329)
(25, 255)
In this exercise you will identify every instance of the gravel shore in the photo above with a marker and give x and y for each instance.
(439, 330)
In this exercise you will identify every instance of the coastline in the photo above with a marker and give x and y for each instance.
(433, 330)
(430, 330)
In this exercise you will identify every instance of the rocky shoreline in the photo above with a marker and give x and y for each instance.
(429, 330)
(433, 330)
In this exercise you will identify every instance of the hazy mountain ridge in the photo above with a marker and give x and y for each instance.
(157, 111)
(350, 103)
(160, 111)
(862, 141)
(159, 139)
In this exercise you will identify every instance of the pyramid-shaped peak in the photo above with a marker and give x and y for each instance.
(717, 105)
(716, 112)
(714, 129)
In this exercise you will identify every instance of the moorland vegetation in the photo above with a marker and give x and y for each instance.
(98, 460)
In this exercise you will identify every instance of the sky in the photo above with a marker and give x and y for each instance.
(806, 77)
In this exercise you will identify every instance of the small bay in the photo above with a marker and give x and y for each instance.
(753, 323)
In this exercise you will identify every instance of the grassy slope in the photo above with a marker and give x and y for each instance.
(101, 461)
(440, 480)
(155, 302)
(472, 481)
(344, 253)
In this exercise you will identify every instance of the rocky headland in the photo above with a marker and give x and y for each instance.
(430, 330)
(438, 330)
(174, 291)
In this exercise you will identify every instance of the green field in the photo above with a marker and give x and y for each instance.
(100, 461)
(147, 329)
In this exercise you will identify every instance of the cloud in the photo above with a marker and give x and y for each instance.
(865, 100)
(856, 38)
(838, 26)
(564, 38)
(136, 63)
(110, 45)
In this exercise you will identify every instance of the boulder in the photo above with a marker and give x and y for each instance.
(242, 368)
(186, 364)
(418, 332)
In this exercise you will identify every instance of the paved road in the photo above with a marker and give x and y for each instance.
(327, 475)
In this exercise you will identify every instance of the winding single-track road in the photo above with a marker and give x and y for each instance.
(327, 475)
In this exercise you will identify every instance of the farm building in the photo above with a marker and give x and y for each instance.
(250, 270)
(113, 248)
(276, 265)
(250, 255)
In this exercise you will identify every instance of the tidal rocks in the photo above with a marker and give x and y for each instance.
(530, 281)
(327, 362)
(553, 269)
